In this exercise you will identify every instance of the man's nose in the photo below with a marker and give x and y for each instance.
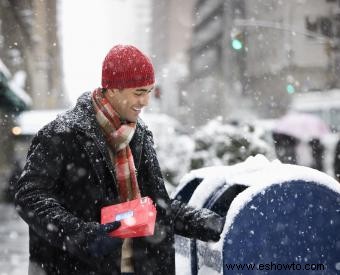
(144, 99)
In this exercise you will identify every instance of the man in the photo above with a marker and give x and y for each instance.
(99, 154)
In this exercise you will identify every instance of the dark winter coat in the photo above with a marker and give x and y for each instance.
(69, 177)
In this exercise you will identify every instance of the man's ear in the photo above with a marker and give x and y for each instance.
(112, 92)
(115, 91)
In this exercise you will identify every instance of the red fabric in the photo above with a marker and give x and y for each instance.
(126, 67)
(118, 136)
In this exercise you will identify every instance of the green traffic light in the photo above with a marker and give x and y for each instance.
(290, 89)
(236, 44)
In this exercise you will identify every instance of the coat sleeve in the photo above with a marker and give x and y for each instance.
(36, 199)
(202, 224)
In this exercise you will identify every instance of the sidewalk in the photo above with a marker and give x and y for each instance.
(14, 242)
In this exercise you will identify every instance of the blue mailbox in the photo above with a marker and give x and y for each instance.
(280, 219)
(292, 227)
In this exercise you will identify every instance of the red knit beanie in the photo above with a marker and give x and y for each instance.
(126, 67)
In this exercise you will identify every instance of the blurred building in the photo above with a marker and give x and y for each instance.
(141, 12)
(284, 54)
(210, 64)
(30, 70)
(30, 44)
(170, 36)
(248, 57)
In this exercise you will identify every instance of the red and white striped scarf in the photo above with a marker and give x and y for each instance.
(118, 136)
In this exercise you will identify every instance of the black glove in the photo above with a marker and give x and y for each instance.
(215, 225)
(102, 244)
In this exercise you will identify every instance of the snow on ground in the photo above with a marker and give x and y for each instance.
(14, 242)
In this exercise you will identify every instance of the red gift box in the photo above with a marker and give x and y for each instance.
(137, 218)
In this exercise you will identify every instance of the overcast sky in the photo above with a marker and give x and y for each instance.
(89, 28)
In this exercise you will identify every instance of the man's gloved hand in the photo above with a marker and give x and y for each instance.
(102, 244)
(216, 225)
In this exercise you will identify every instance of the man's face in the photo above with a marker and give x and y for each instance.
(129, 102)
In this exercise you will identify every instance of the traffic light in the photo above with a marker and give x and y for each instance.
(237, 39)
(292, 84)
(290, 88)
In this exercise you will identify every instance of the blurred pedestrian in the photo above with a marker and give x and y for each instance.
(12, 179)
(336, 163)
(285, 147)
(318, 150)
(100, 153)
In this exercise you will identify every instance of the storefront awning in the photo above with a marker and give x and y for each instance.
(12, 98)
